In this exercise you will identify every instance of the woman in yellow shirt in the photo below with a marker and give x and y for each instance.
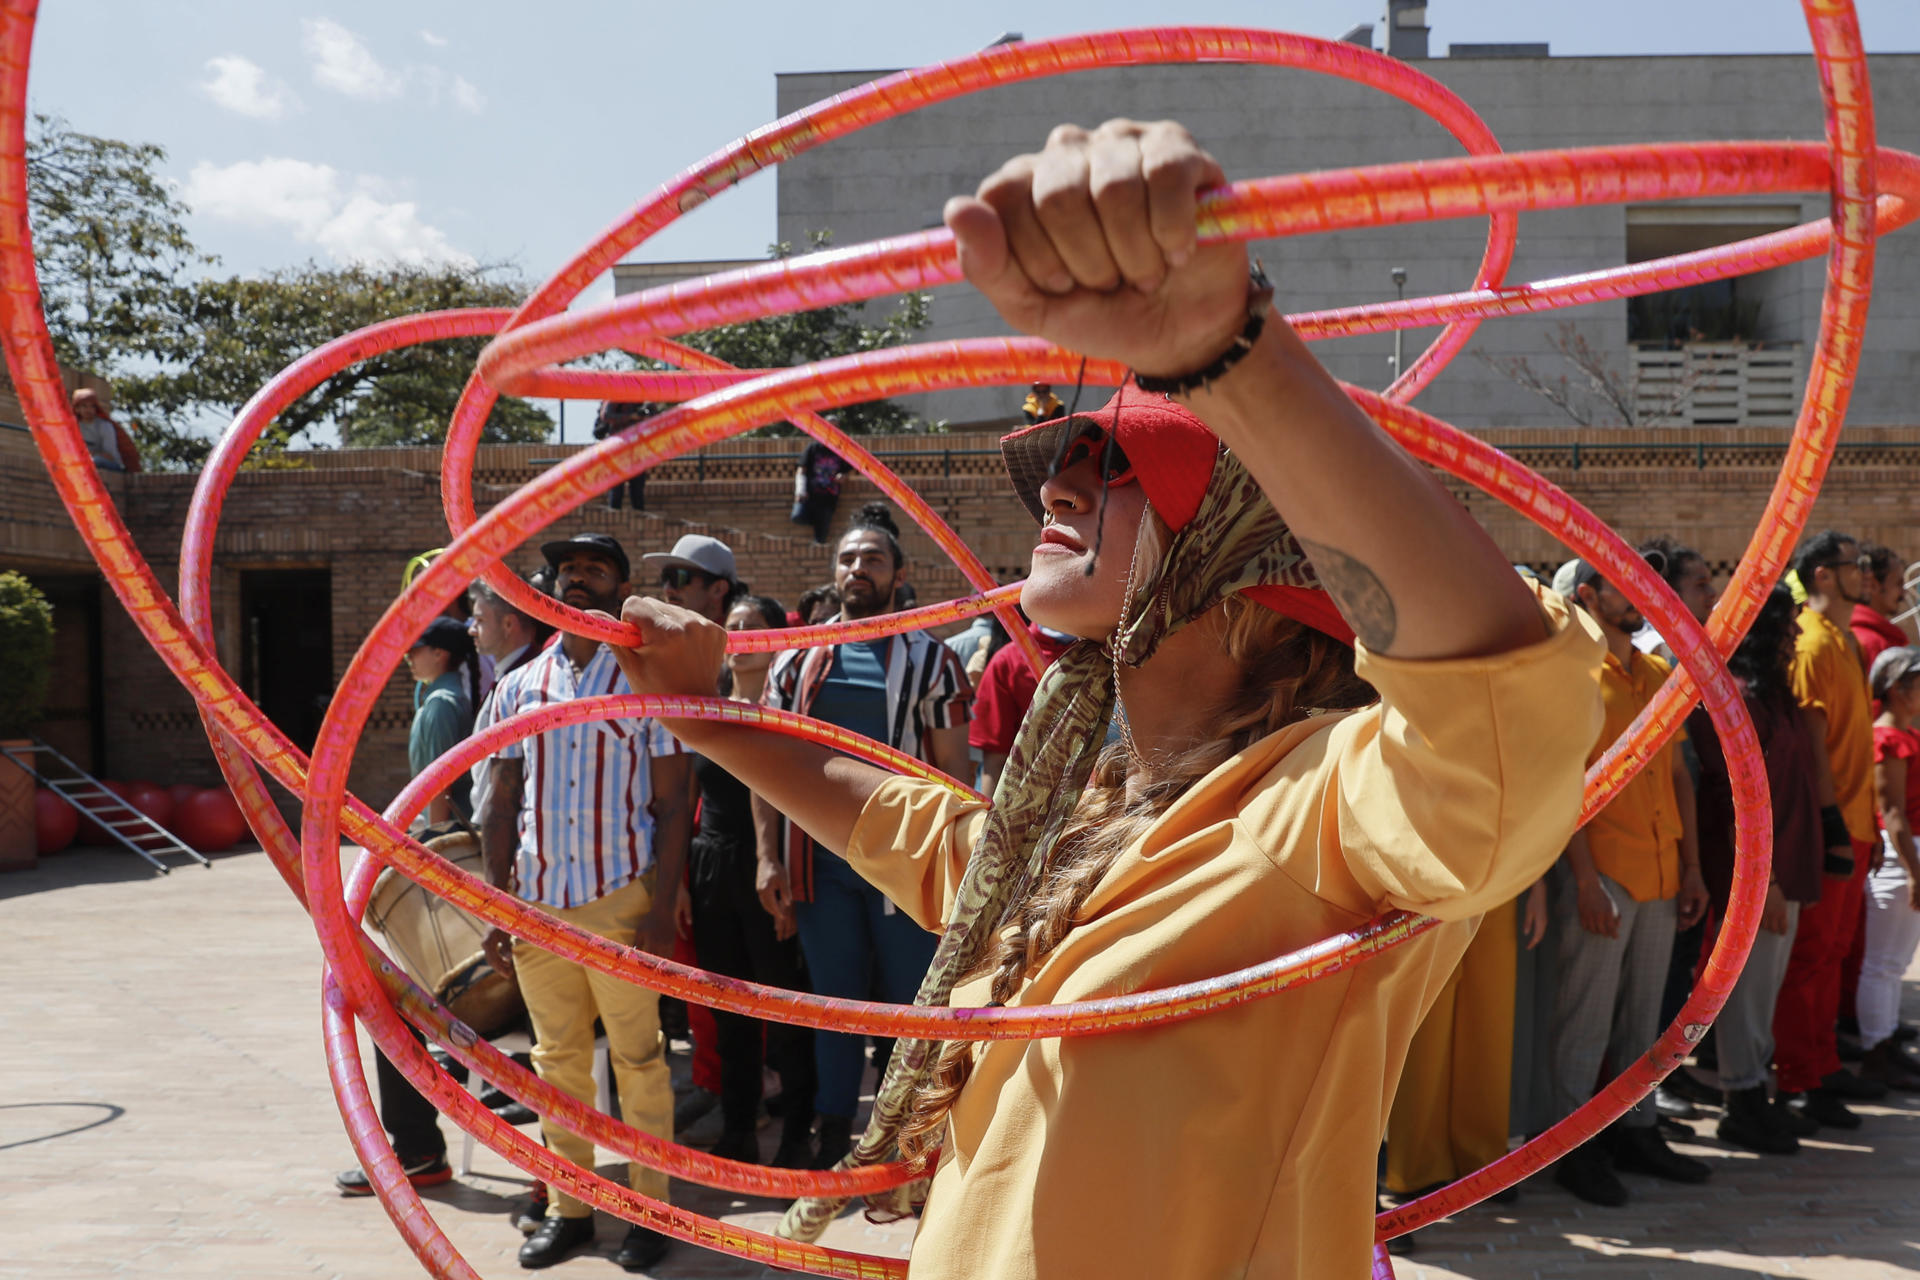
(1249, 808)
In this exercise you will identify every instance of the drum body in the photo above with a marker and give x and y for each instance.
(439, 944)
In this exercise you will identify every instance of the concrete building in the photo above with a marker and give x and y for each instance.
(893, 178)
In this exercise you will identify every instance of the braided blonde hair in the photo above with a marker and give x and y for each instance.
(1287, 673)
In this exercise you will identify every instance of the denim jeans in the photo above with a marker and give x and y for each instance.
(858, 947)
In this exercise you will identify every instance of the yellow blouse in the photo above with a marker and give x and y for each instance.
(1243, 1142)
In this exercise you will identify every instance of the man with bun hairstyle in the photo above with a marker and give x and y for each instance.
(909, 692)
(1336, 699)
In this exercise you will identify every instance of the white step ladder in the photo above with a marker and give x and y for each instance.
(90, 797)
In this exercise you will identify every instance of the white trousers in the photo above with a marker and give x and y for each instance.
(1893, 932)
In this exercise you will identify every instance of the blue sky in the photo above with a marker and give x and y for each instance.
(424, 129)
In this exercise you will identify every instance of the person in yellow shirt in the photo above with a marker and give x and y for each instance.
(1831, 685)
(1629, 880)
(1260, 798)
(1041, 405)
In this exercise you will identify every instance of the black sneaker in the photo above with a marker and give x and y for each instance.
(554, 1240)
(1671, 1104)
(1586, 1172)
(1791, 1118)
(531, 1212)
(1826, 1109)
(1848, 1087)
(421, 1173)
(1751, 1123)
(1643, 1150)
(641, 1249)
(1683, 1083)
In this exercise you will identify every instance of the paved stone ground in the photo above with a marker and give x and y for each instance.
(164, 1111)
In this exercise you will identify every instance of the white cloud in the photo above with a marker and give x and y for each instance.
(468, 98)
(438, 42)
(321, 207)
(370, 230)
(244, 87)
(342, 63)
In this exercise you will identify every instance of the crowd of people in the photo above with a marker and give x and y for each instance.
(1563, 990)
(617, 828)
(614, 827)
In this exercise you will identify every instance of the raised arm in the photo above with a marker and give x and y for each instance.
(1091, 244)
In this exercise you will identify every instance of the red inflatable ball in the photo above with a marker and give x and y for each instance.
(55, 822)
(151, 800)
(180, 793)
(211, 821)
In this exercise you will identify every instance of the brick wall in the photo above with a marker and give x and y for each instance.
(362, 514)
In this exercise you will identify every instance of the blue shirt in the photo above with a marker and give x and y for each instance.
(854, 695)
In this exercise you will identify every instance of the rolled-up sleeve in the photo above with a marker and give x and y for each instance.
(912, 843)
(1463, 785)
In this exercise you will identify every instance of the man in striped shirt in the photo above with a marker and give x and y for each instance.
(910, 692)
(585, 821)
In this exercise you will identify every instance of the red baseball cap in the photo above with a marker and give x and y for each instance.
(1172, 454)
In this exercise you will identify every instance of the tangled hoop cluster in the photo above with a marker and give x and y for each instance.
(1872, 189)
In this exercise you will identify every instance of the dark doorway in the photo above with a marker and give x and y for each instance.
(74, 719)
(286, 647)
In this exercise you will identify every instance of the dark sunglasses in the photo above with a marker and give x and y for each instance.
(680, 576)
(1091, 440)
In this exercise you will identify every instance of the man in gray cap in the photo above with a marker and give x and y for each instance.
(698, 574)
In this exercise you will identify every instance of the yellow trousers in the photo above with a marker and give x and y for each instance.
(1450, 1114)
(563, 999)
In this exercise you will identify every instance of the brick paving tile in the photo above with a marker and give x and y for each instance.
(165, 1113)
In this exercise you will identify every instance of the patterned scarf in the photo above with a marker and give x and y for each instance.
(1236, 540)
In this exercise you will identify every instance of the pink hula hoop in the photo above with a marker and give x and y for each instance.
(722, 402)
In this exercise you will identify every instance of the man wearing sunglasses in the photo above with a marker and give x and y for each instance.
(1831, 686)
(698, 574)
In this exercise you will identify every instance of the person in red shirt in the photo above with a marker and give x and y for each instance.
(1000, 702)
(1893, 889)
(1873, 622)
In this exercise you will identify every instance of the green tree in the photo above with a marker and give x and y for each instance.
(780, 342)
(109, 243)
(233, 335)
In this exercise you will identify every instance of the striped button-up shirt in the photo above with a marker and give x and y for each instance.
(927, 688)
(585, 828)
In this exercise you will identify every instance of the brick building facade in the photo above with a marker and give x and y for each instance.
(326, 544)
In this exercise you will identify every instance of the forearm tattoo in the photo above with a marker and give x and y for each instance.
(1359, 593)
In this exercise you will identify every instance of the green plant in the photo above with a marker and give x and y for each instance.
(26, 653)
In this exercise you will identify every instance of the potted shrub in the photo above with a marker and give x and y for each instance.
(26, 660)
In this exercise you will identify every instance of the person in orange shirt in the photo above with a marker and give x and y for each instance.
(1629, 880)
(1242, 814)
(1830, 683)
